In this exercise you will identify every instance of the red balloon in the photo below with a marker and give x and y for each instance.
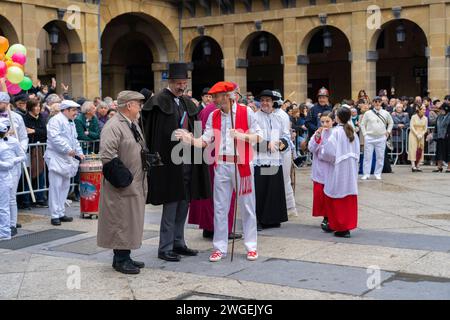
(3, 69)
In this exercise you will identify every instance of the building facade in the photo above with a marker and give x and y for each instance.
(295, 46)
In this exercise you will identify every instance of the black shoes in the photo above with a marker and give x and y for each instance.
(126, 267)
(259, 227)
(185, 251)
(57, 222)
(342, 234)
(234, 236)
(66, 219)
(13, 231)
(137, 264)
(438, 170)
(208, 234)
(41, 204)
(18, 226)
(169, 256)
(324, 225)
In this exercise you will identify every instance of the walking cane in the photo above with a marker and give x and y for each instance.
(25, 169)
(236, 189)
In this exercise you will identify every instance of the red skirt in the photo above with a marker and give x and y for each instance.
(318, 209)
(342, 213)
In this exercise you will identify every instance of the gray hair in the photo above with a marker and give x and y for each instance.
(102, 104)
(53, 98)
(86, 106)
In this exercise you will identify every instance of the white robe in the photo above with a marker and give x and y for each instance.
(337, 150)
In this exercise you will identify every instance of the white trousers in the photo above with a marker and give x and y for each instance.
(59, 187)
(379, 145)
(224, 183)
(5, 215)
(16, 172)
(287, 165)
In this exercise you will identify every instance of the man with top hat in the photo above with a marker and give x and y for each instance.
(63, 155)
(232, 135)
(174, 183)
(124, 190)
(322, 105)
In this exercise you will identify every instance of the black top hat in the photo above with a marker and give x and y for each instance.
(178, 71)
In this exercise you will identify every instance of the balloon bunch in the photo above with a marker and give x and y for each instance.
(12, 61)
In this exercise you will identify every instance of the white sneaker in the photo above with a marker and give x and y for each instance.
(378, 177)
(216, 256)
(365, 177)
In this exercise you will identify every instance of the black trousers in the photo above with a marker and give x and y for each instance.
(121, 255)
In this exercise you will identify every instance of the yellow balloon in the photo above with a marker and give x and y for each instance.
(16, 48)
(15, 75)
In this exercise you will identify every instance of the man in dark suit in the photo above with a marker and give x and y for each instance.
(173, 185)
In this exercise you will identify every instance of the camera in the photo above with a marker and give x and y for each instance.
(150, 159)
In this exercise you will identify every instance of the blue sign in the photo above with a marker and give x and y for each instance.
(165, 75)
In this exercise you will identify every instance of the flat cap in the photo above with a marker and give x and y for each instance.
(66, 104)
(127, 96)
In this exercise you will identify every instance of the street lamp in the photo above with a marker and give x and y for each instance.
(400, 32)
(206, 48)
(327, 39)
(53, 35)
(263, 44)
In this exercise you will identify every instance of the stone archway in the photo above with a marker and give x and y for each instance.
(7, 30)
(63, 59)
(264, 62)
(207, 58)
(134, 54)
(402, 63)
(327, 50)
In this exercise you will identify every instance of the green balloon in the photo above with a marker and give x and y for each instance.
(16, 48)
(26, 84)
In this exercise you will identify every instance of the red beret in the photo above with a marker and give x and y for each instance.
(221, 87)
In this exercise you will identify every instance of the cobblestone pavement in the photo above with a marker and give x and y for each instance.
(401, 250)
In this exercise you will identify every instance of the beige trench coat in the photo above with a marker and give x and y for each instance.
(121, 212)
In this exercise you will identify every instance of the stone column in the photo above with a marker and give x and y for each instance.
(91, 71)
(438, 66)
(230, 52)
(113, 80)
(158, 69)
(291, 70)
(363, 62)
(29, 39)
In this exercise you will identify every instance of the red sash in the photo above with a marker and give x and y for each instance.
(244, 149)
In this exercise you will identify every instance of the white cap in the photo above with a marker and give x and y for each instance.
(4, 97)
(3, 128)
(346, 106)
(66, 104)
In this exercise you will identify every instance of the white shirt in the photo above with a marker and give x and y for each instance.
(226, 142)
(372, 125)
(273, 128)
(62, 136)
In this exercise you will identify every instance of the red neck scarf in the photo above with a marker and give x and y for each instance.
(244, 149)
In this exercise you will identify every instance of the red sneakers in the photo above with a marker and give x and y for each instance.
(216, 256)
(252, 255)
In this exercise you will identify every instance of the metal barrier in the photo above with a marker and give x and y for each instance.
(400, 142)
(37, 168)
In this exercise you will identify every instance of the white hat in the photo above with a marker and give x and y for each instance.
(3, 128)
(4, 97)
(66, 104)
(346, 106)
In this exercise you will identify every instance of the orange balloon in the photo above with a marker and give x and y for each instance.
(4, 44)
(10, 64)
(2, 56)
